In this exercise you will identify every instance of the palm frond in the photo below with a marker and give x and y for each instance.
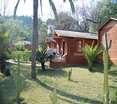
(41, 6)
(15, 9)
(91, 53)
(72, 5)
(54, 9)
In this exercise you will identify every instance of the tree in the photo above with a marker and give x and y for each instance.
(66, 22)
(90, 53)
(3, 47)
(35, 37)
(101, 12)
(35, 30)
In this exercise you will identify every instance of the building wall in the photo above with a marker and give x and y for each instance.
(113, 50)
(73, 51)
(112, 35)
(75, 55)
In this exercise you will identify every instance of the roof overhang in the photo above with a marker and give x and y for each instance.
(105, 23)
(73, 34)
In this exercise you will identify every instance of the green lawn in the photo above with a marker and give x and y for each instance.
(84, 88)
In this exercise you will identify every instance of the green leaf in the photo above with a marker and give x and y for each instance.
(41, 6)
(54, 9)
(72, 6)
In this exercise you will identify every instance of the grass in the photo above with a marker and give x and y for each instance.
(84, 88)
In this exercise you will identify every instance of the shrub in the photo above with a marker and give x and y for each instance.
(91, 53)
(23, 55)
(18, 83)
(3, 47)
(41, 57)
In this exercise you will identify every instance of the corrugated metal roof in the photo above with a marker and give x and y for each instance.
(63, 33)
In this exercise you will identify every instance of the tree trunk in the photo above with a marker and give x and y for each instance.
(35, 37)
(43, 66)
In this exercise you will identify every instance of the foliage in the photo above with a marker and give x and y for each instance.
(18, 82)
(35, 30)
(101, 12)
(4, 47)
(41, 55)
(42, 31)
(1, 76)
(24, 56)
(17, 31)
(3, 38)
(91, 53)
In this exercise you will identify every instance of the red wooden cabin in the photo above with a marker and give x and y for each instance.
(68, 45)
(109, 27)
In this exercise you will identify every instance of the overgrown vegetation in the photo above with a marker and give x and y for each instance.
(4, 52)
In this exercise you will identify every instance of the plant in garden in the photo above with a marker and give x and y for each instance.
(91, 53)
(41, 56)
(3, 47)
(18, 82)
(106, 68)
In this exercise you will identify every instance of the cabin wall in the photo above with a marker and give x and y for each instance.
(74, 50)
(113, 50)
(112, 35)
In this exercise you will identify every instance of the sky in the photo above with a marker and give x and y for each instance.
(26, 8)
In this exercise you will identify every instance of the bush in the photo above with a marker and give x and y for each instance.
(18, 78)
(23, 55)
(41, 57)
(91, 53)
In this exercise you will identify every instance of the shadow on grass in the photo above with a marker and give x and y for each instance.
(68, 100)
(8, 90)
(68, 95)
(113, 72)
(74, 81)
(95, 68)
(53, 72)
(98, 68)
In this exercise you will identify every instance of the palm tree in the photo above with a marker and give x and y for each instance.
(35, 37)
(35, 30)
(35, 27)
